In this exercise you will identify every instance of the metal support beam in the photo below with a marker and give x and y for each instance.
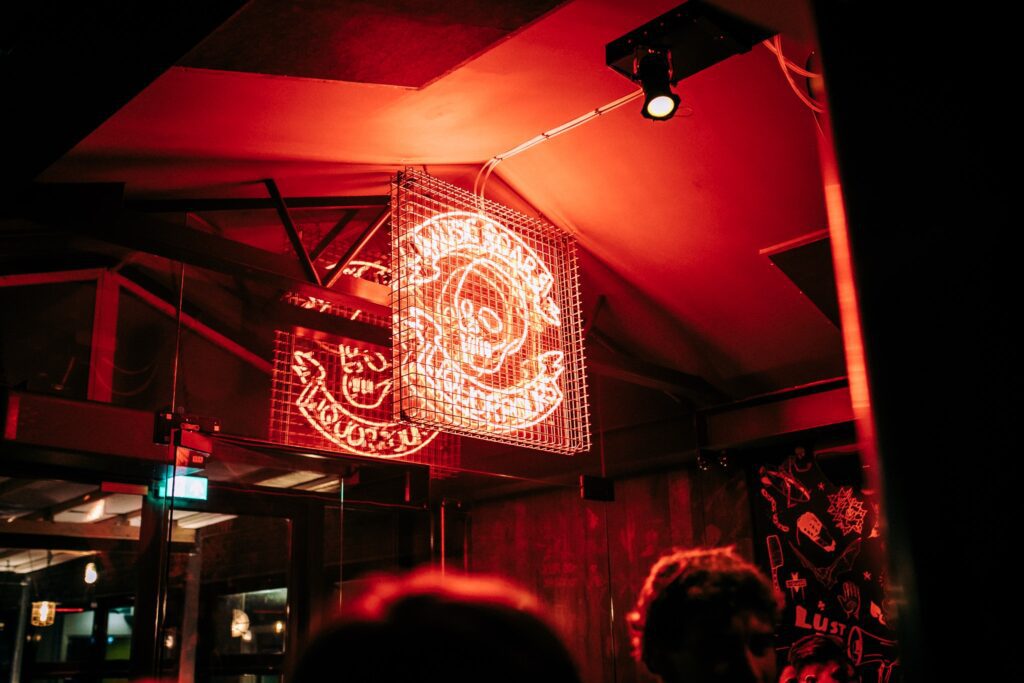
(797, 410)
(332, 234)
(104, 338)
(25, 279)
(288, 315)
(96, 217)
(619, 366)
(357, 247)
(190, 618)
(203, 330)
(152, 561)
(293, 234)
(194, 247)
(305, 578)
(72, 536)
(253, 203)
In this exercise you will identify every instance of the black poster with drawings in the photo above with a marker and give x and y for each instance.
(820, 545)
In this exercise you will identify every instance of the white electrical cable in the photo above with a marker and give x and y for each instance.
(791, 65)
(777, 49)
(485, 171)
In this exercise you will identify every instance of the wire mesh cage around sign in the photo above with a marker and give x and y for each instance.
(333, 393)
(487, 335)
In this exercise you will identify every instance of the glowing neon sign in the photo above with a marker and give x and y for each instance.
(481, 309)
(364, 386)
(493, 294)
(339, 389)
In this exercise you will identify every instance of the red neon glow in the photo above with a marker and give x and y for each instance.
(332, 393)
(849, 310)
(494, 288)
(363, 388)
(483, 312)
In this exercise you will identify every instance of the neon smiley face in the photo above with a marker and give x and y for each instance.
(346, 388)
(367, 380)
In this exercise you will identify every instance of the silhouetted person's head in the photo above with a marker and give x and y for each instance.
(706, 615)
(819, 659)
(424, 627)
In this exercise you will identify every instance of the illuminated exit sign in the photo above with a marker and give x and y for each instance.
(183, 486)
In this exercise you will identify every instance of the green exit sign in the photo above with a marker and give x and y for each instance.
(193, 488)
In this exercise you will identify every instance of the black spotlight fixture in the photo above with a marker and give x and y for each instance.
(681, 42)
(652, 68)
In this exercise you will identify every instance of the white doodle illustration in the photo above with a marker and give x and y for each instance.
(828, 576)
(877, 613)
(775, 558)
(849, 599)
(810, 526)
(847, 511)
(796, 585)
(775, 512)
(786, 485)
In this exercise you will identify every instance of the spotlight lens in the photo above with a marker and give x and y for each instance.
(661, 106)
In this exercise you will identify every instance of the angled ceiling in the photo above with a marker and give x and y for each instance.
(671, 217)
(399, 42)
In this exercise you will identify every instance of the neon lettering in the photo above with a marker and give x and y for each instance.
(347, 412)
(482, 306)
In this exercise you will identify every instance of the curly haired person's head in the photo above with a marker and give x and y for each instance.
(820, 658)
(706, 615)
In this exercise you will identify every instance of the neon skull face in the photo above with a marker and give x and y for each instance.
(488, 313)
(367, 380)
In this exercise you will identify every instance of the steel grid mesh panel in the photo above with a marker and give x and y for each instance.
(373, 264)
(487, 319)
(333, 393)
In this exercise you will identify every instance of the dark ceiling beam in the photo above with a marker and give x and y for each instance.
(614, 364)
(95, 212)
(14, 485)
(48, 513)
(203, 330)
(356, 247)
(815, 406)
(252, 203)
(332, 234)
(73, 536)
(68, 67)
(234, 258)
(287, 315)
(305, 262)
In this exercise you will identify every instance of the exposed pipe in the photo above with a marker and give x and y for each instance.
(19, 636)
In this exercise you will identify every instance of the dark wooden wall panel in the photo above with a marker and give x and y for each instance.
(554, 545)
(586, 560)
(721, 509)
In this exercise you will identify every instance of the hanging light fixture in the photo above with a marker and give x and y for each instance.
(652, 68)
(91, 573)
(239, 624)
(43, 612)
